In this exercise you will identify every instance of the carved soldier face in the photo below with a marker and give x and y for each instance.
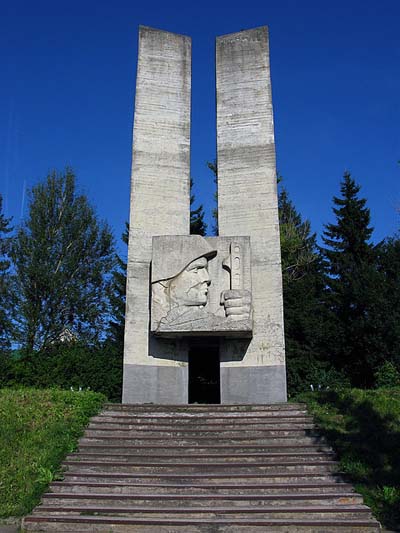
(190, 287)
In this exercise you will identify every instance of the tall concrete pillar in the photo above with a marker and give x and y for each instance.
(251, 371)
(156, 371)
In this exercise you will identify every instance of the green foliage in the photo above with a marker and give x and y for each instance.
(118, 297)
(6, 303)
(303, 303)
(298, 244)
(353, 285)
(387, 376)
(364, 428)
(387, 302)
(66, 365)
(62, 258)
(37, 430)
(197, 224)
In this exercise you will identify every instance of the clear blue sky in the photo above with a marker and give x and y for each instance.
(67, 92)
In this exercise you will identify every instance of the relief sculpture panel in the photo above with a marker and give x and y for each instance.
(201, 286)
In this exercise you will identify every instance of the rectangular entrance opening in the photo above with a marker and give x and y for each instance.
(204, 374)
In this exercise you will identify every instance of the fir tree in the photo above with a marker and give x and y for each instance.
(352, 284)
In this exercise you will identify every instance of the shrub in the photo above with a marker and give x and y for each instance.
(387, 376)
(64, 366)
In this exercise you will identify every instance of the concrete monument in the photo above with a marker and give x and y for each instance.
(183, 289)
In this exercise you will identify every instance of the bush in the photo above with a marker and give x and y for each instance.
(65, 366)
(305, 372)
(387, 376)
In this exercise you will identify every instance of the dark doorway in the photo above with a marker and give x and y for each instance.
(204, 381)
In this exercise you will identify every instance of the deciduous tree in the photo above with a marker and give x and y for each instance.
(63, 257)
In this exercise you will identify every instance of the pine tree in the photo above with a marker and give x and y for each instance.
(197, 224)
(63, 256)
(352, 284)
(6, 303)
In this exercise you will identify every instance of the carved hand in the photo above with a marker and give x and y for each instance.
(237, 303)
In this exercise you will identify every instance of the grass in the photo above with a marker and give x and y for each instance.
(37, 429)
(363, 426)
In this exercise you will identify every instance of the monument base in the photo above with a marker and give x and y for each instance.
(155, 384)
(253, 384)
(170, 385)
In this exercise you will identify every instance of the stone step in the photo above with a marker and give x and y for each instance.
(203, 408)
(211, 458)
(132, 467)
(187, 450)
(219, 469)
(277, 422)
(120, 487)
(210, 511)
(205, 478)
(70, 524)
(210, 415)
(100, 431)
(150, 440)
(144, 499)
(235, 418)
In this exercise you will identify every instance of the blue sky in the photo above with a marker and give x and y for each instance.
(67, 93)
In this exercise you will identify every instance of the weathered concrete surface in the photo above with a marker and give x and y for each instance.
(167, 383)
(201, 286)
(247, 205)
(160, 191)
(250, 384)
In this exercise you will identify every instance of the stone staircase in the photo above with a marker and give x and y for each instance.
(202, 468)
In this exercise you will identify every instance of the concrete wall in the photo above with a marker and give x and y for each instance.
(156, 371)
(247, 205)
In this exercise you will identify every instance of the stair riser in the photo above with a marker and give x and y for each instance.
(346, 527)
(197, 427)
(207, 408)
(204, 469)
(207, 501)
(190, 489)
(201, 420)
(265, 459)
(184, 479)
(183, 451)
(199, 442)
(220, 434)
(188, 514)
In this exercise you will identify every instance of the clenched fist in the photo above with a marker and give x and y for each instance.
(237, 303)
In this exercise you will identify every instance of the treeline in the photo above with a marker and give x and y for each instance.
(62, 294)
(341, 299)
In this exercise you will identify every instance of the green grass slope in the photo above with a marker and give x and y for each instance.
(37, 429)
(363, 426)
